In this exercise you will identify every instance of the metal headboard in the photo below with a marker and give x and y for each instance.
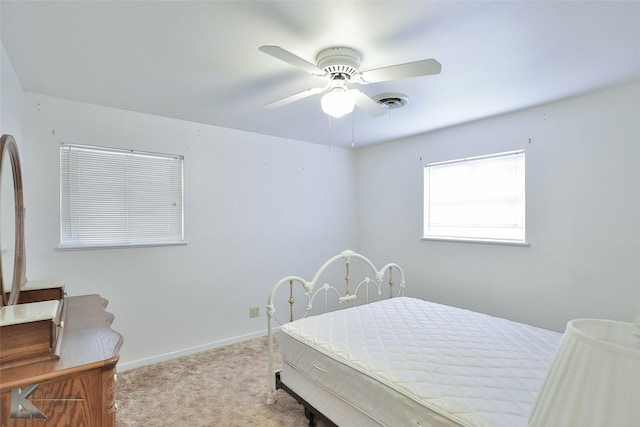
(351, 293)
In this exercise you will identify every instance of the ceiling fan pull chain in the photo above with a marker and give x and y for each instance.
(329, 132)
(353, 131)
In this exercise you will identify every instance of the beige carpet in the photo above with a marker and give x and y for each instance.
(221, 387)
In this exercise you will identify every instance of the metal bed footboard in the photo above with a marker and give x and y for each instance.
(373, 285)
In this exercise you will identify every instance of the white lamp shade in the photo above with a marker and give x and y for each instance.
(338, 102)
(594, 379)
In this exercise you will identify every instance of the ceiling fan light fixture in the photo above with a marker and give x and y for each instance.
(338, 102)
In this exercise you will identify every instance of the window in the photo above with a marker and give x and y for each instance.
(477, 199)
(111, 197)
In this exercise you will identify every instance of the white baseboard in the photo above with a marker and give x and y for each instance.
(122, 367)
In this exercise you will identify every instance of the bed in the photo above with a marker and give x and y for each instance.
(375, 357)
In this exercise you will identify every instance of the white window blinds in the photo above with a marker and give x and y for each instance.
(111, 197)
(478, 198)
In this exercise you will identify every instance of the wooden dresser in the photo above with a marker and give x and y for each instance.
(76, 388)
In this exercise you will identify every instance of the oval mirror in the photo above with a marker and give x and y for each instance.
(15, 234)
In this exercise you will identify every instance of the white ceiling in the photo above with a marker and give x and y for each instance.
(199, 61)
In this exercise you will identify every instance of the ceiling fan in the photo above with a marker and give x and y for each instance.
(339, 66)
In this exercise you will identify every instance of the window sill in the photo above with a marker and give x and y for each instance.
(480, 241)
(137, 245)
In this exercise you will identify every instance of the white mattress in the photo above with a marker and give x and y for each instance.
(409, 362)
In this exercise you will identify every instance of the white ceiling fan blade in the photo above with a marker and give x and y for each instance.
(291, 59)
(295, 97)
(426, 67)
(368, 105)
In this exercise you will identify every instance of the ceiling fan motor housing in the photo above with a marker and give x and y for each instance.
(340, 62)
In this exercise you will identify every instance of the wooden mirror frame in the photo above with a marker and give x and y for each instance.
(8, 145)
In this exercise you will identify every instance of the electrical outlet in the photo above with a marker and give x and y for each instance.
(254, 311)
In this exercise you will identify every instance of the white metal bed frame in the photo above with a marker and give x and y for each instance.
(373, 279)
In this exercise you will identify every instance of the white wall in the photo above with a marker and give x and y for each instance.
(583, 213)
(255, 206)
(11, 122)
(11, 99)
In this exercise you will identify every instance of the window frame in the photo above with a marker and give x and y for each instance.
(175, 181)
(472, 239)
